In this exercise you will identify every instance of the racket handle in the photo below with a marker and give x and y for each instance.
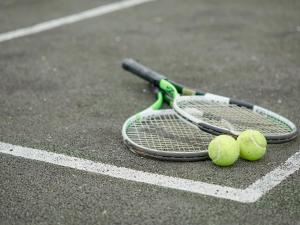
(142, 71)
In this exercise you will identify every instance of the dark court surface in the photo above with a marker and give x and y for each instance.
(16, 14)
(64, 91)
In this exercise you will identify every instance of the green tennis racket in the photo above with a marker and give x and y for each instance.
(217, 114)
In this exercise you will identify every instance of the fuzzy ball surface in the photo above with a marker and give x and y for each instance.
(223, 150)
(253, 145)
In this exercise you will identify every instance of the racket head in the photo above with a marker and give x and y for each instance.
(161, 134)
(216, 115)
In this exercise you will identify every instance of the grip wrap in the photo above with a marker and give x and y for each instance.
(142, 71)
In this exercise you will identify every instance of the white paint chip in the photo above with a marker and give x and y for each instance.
(250, 194)
(51, 24)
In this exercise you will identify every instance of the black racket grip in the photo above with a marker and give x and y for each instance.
(142, 71)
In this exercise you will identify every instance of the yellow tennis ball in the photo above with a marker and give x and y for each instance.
(223, 150)
(253, 145)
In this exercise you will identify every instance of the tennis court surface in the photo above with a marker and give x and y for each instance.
(64, 98)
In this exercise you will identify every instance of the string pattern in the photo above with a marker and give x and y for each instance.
(167, 132)
(233, 117)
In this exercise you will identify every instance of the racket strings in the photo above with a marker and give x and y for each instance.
(167, 133)
(233, 117)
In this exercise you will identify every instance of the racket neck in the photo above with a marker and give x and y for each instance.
(168, 88)
(159, 101)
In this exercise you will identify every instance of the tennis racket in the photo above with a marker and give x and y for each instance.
(161, 134)
(217, 114)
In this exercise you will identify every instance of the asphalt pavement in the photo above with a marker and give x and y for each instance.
(64, 91)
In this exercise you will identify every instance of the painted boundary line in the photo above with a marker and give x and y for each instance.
(248, 195)
(51, 24)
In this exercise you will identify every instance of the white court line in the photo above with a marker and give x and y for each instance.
(51, 24)
(273, 178)
(123, 173)
(250, 194)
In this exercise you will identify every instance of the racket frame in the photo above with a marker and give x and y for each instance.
(207, 127)
(153, 110)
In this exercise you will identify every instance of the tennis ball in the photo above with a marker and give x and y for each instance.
(223, 150)
(252, 145)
